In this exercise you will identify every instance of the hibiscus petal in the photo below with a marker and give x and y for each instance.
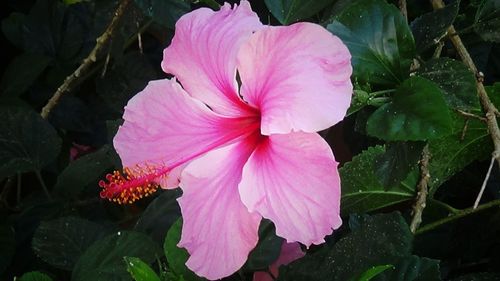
(218, 230)
(203, 54)
(298, 76)
(292, 179)
(166, 127)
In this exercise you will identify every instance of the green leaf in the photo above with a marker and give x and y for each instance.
(373, 271)
(164, 12)
(62, 241)
(451, 154)
(429, 28)
(7, 246)
(103, 261)
(21, 73)
(12, 27)
(418, 111)
(160, 215)
(290, 11)
(380, 239)
(412, 268)
(487, 22)
(379, 39)
(27, 142)
(395, 164)
(34, 276)
(177, 257)
(359, 100)
(455, 80)
(139, 270)
(361, 188)
(267, 250)
(84, 171)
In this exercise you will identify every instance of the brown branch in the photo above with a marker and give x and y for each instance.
(402, 7)
(470, 115)
(489, 108)
(101, 42)
(422, 190)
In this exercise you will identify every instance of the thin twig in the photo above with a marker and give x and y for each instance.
(485, 182)
(471, 115)
(402, 7)
(489, 108)
(44, 186)
(422, 190)
(18, 184)
(101, 41)
(458, 215)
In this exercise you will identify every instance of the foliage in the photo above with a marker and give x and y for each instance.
(411, 90)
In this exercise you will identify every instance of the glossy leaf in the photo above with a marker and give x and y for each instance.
(487, 22)
(412, 268)
(160, 215)
(164, 12)
(429, 28)
(177, 257)
(455, 80)
(84, 171)
(104, 259)
(374, 271)
(27, 142)
(140, 270)
(379, 39)
(61, 242)
(267, 250)
(395, 164)
(290, 11)
(34, 276)
(417, 111)
(361, 187)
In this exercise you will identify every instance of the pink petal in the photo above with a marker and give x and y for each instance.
(203, 54)
(292, 180)
(166, 127)
(289, 253)
(218, 230)
(298, 76)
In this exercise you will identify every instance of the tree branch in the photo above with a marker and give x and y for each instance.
(488, 107)
(102, 41)
(422, 190)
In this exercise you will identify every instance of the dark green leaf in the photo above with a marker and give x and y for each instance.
(61, 242)
(290, 11)
(176, 256)
(34, 276)
(103, 261)
(412, 268)
(487, 22)
(165, 12)
(451, 154)
(140, 270)
(85, 171)
(374, 271)
(7, 246)
(12, 28)
(267, 250)
(429, 28)
(359, 100)
(379, 39)
(381, 239)
(395, 164)
(361, 188)
(22, 72)
(418, 111)
(27, 142)
(455, 80)
(160, 215)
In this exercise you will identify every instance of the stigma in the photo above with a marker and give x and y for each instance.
(131, 184)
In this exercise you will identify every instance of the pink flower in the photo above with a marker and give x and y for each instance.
(289, 253)
(239, 153)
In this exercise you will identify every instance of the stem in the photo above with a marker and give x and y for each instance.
(381, 93)
(72, 79)
(458, 215)
(422, 190)
(485, 182)
(44, 186)
(18, 193)
(402, 7)
(489, 108)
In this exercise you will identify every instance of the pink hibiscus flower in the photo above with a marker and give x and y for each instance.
(239, 153)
